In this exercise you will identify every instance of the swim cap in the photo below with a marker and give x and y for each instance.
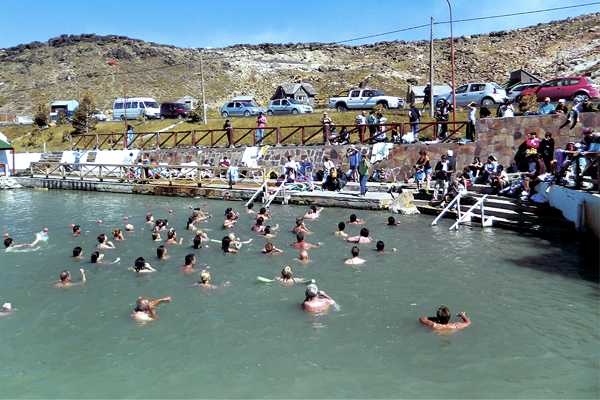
(287, 271)
(205, 275)
(312, 290)
(142, 303)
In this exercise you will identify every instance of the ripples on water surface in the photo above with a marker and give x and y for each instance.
(533, 304)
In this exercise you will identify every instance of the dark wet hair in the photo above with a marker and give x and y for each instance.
(190, 222)
(77, 251)
(197, 242)
(171, 234)
(139, 264)
(267, 230)
(250, 206)
(342, 226)
(228, 210)
(95, 257)
(443, 314)
(380, 245)
(225, 242)
(64, 275)
(364, 232)
(299, 221)
(352, 217)
(259, 221)
(355, 251)
(76, 228)
(300, 236)
(160, 251)
(101, 238)
(391, 221)
(189, 258)
(155, 235)
(262, 211)
(229, 215)
(8, 242)
(314, 208)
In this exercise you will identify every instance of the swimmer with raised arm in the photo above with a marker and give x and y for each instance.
(144, 311)
(340, 232)
(172, 237)
(313, 302)
(300, 227)
(313, 212)
(392, 222)
(103, 242)
(301, 244)
(142, 267)
(264, 214)
(65, 279)
(96, 258)
(9, 243)
(237, 242)
(362, 238)
(230, 221)
(442, 321)
(270, 249)
(225, 243)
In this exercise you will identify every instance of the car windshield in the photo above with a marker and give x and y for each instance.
(375, 93)
(150, 104)
(294, 101)
(247, 105)
(496, 86)
(183, 107)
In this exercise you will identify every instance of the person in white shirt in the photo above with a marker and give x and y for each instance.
(291, 166)
(327, 166)
(472, 119)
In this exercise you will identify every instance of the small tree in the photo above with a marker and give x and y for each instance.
(527, 102)
(61, 119)
(196, 114)
(42, 115)
(142, 117)
(82, 119)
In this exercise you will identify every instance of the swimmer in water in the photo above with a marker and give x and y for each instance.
(264, 213)
(145, 309)
(129, 228)
(313, 303)
(381, 246)
(267, 233)
(392, 222)
(303, 258)
(76, 230)
(340, 232)
(230, 221)
(65, 279)
(205, 280)
(225, 243)
(236, 242)
(313, 212)
(172, 237)
(442, 321)
(6, 310)
(300, 227)
(156, 237)
(190, 260)
(161, 253)
(286, 276)
(9, 243)
(354, 220)
(250, 209)
(77, 252)
(270, 249)
(96, 258)
(142, 267)
(362, 238)
(301, 244)
(149, 219)
(103, 242)
(117, 234)
(355, 257)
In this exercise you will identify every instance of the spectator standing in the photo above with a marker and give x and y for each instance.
(444, 116)
(546, 150)
(472, 119)
(427, 93)
(372, 121)
(442, 176)
(508, 111)
(451, 162)
(228, 126)
(328, 127)
(260, 128)
(361, 119)
(328, 165)
(355, 158)
(363, 170)
(485, 112)
(414, 116)
(547, 108)
(129, 136)
(381, 120)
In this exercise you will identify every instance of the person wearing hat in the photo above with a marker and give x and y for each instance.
(591, 140)
(561, 107)
(313, 302)
(144, 311)
(547, 108)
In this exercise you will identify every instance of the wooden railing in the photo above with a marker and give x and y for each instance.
(300, 135)
(592, 161)
(202, 176)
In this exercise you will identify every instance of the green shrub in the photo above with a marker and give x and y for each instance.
(527, 103)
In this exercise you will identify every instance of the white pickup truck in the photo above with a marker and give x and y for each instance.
(364, 99)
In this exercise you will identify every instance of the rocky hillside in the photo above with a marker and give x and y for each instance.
(44, 72)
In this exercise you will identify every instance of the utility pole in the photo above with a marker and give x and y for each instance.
(202, 85)
(431, 108)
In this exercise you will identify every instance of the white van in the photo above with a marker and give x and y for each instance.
(134, 107)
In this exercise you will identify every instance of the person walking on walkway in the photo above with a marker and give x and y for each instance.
(363, 171)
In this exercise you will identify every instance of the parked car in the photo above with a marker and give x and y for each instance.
(174, 110)
(240, 109)
(564, 88)
(288, 106)
(364, 99)
(99, 115)
(513, 93)
(132, 107)
(486, 94)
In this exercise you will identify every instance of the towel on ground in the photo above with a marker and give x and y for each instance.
(380, 152)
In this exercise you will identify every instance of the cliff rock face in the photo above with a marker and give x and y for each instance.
(39, 72)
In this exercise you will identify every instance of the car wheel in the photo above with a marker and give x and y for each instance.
(487, 101)
(162, 117)
(225, 114)
(294, 111)
(385, 106)
(581, 96)
(122, 118)
(341, 108)
(270, 112)
(246, 113)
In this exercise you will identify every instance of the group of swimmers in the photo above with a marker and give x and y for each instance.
(316, 300)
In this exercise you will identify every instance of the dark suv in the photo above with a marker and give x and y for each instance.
(174, 110)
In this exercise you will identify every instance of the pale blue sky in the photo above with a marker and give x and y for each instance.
(200, 23)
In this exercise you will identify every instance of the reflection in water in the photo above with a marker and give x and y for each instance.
(253, 340)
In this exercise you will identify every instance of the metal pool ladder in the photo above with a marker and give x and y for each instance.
(468, 215)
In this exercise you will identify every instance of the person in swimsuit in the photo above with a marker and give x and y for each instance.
(205, 280)
(392, 222)
(381, 246)
(172, 237)
(303, 258)
(156, 237)
(161, 252)
(340, 232)
(190, 260)
(286, 276)
(65, 279)
(77, 252)
(362, 238)
(270, 249)
(225, 243)
(442, 321)
(142, 267)
(76, 230)
(230, 221)
(267, 233)
(103, 242)
(144, 311)
(301, 244)
(250, 209)
(117, 234)
(313, 212)
(313, 303)
(96, 258)
(300, 227)
(354, 220)
(8, 242)
(355, 257)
